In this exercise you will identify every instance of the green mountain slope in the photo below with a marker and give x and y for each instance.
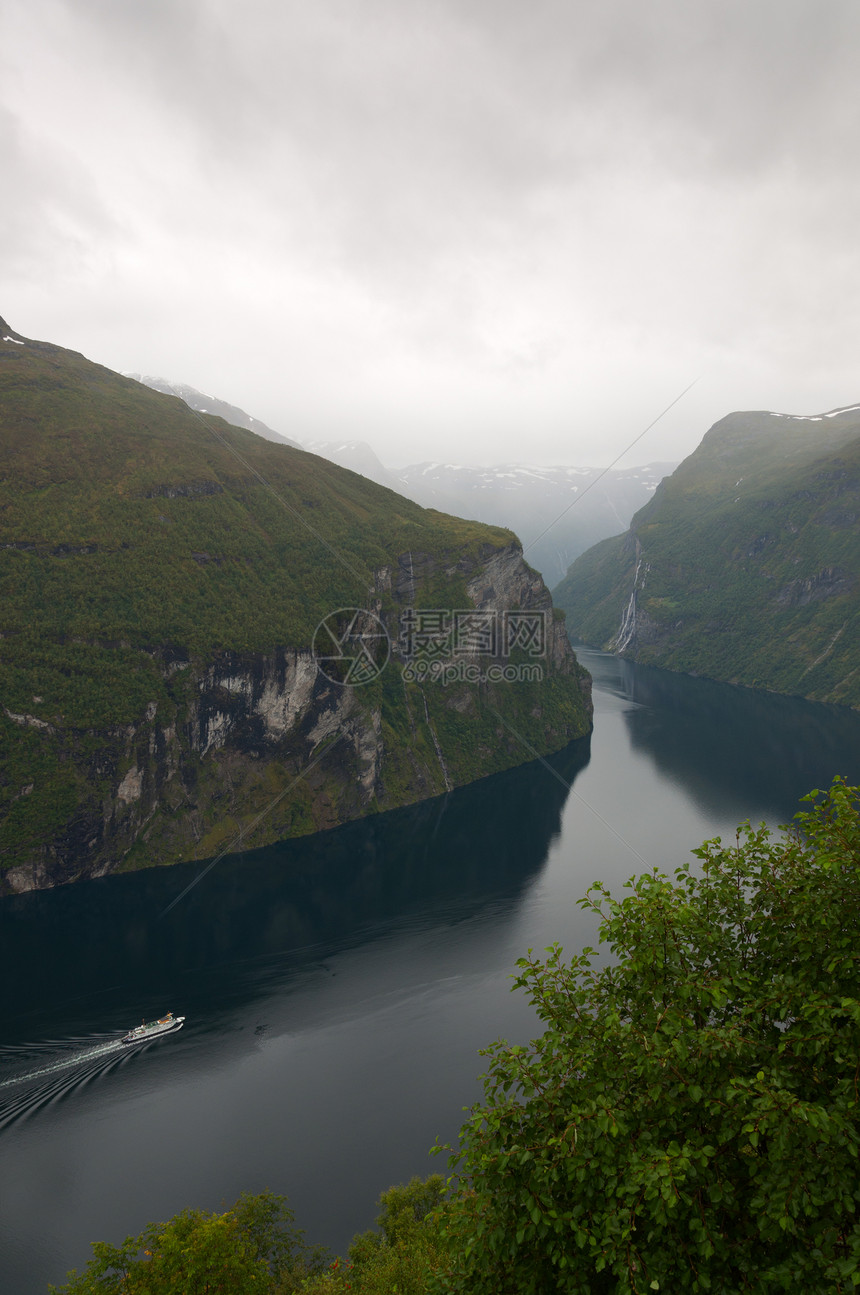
(746, 564)
(161, 579)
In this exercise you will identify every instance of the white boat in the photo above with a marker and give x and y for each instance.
(151, 1029)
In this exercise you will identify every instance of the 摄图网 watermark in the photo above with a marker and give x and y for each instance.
(352, 645)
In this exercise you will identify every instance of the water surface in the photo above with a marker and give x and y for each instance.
(337, 989)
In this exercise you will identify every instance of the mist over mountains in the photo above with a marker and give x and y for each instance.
(557, 512)
(742, 563)
(204, 404)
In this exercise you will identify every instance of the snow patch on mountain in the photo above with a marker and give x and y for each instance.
(213, 405)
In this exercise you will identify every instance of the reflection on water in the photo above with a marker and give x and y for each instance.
(337, 988)
(721, 743)
(325, 981)
(445, 857)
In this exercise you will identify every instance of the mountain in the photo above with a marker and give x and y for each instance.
(558, 512)
(204, 404)
(745, 566)
(185, 608)
(358, 457)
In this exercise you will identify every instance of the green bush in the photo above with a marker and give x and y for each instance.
(400, 1258)
(689, 1119)
(248, 1248)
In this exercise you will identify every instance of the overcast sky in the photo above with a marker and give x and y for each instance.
(476, 230)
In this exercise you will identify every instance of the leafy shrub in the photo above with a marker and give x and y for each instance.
(689, 1119)
(246, 1249)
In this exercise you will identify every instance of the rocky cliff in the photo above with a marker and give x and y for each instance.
(163, 581)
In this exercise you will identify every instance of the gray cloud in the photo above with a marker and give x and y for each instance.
(483, 229)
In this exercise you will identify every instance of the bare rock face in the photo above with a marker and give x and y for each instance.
(270, 743)
(506, 581)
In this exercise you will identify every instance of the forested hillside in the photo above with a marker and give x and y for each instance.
(746, 564)
(161, 579)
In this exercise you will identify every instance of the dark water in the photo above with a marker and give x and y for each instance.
(337, 989)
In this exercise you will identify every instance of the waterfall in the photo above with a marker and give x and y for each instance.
(436, 743)
(627, 630)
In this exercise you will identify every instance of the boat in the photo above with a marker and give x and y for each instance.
(152, 1029)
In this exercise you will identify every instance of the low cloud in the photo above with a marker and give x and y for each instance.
(472, 231)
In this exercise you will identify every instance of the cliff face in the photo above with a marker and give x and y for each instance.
(161, 696)
(745, 566)
(247, 729)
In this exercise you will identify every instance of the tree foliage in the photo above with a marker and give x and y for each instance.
(688, 1120)
(246, 1249)
(401, 1256)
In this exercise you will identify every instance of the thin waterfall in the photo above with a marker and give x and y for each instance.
(436, 743)
(627, 630)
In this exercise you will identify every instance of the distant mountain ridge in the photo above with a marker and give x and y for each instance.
(357, 456)
(557, 512)
(745, 566)
(204, 404)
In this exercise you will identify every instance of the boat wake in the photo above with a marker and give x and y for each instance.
(80, 1061)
